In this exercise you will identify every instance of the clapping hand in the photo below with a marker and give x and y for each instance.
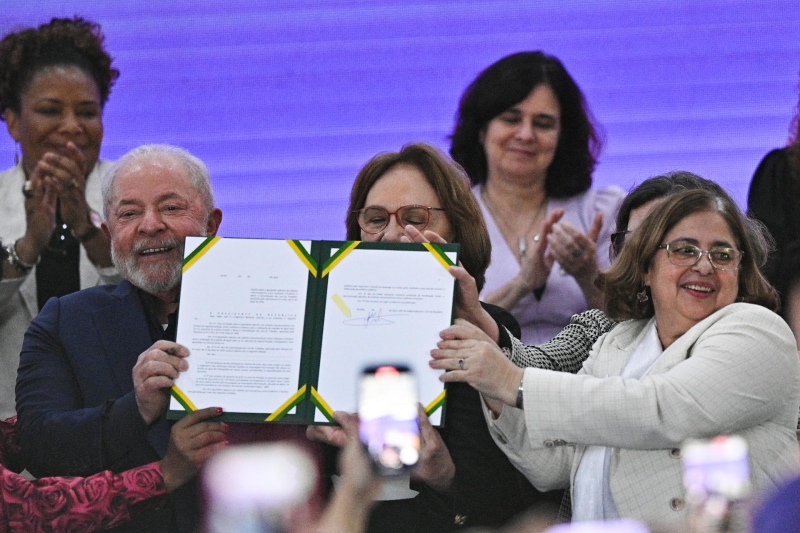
(535, 265)
(67, 172)
(576, 252)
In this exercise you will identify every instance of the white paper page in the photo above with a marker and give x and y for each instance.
(241, 314)
(383, 306)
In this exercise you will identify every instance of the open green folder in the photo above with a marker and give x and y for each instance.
(279, 331)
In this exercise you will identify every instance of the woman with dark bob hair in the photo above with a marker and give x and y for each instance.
(54, 82)
(700, 353)
(415, 195)
(525, 137)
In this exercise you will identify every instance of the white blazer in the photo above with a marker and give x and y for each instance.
(18, 303)
(736, 372)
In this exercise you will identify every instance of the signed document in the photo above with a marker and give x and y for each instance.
(279, 331)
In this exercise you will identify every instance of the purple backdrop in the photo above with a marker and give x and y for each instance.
(286, 100)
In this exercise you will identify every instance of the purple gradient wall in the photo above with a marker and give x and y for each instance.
(286, 100)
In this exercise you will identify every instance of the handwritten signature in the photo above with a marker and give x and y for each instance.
(373, 318)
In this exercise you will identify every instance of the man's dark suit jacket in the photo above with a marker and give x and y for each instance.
(75, 401)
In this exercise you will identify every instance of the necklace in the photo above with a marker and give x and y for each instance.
(507, 229)
(61, 240)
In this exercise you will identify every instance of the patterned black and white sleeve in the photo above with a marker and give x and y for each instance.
(567, 351)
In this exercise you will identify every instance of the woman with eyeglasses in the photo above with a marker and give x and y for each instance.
(569, 349)
(401, 197)
(463, 479)
(700, 353)
(54, 82)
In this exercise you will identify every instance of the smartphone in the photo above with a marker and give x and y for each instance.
(716, 467)
(716, 474)
(255, 487)
(388, 418)
(625, 525)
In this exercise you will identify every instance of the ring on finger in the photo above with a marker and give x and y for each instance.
(578, 252)
(461, 364)
(73, 183)
(28, 189)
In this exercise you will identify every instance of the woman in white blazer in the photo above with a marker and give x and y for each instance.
(700, 353)
(54, 82)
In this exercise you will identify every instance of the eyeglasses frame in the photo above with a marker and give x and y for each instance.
(707, 253)
(396, 217)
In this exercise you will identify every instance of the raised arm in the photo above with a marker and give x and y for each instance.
(738, 371)
(567, 351)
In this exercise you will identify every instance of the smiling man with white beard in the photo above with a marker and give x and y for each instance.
(96, 366)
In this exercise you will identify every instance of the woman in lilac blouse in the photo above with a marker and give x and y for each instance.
(525, 136)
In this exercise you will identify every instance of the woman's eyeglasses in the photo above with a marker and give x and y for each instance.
(683, 253)
(375, 219)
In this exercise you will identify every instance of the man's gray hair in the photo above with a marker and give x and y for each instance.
(198, 172)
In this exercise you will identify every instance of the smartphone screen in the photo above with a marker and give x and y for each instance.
(388, 418)
(624, 525)
(255, 487)
(717, 466)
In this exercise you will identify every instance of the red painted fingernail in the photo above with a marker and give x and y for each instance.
(219, 410)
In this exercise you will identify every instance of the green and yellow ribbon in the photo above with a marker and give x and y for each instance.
(436, 403)
(304, 256)
(199, 252)
(340, 254)
(287, 406)
(184, 400)
(322, 405)
(439, 254)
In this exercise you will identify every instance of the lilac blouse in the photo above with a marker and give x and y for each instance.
(542, 319)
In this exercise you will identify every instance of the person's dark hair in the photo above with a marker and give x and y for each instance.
(624, 279)
(661, 187)
(794, 135)
(452, 188)
(62, 41)
(506, 83)
(679, 181)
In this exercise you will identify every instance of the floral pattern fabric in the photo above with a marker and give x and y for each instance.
(74, 504)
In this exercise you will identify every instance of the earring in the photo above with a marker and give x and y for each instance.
(642, 296)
